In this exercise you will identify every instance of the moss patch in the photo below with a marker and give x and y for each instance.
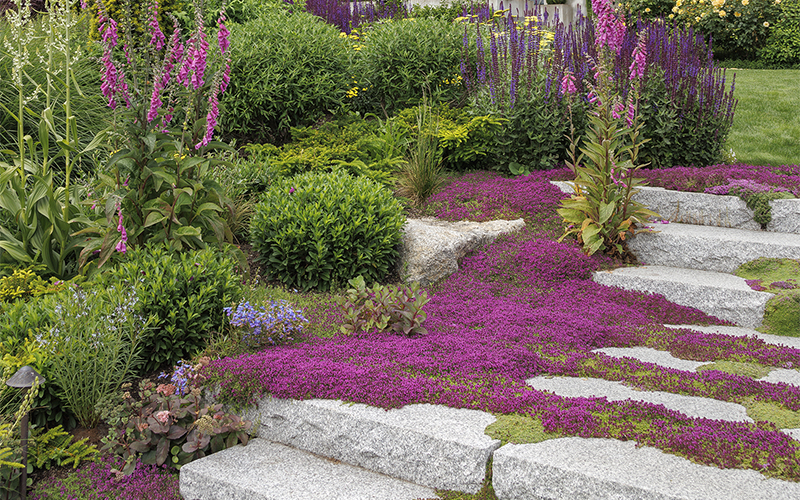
(782, 417)
(782, 278)
(752, 370)
(519, 429)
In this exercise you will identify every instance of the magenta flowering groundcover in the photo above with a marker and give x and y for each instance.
(527, 306)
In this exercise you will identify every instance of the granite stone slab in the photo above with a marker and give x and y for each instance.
(264, 470)
(785, 216)
(692, 406)
(738, 331)
(649, 355)
(718, 294)
(430, 445)
(710, 248)
(581, 469)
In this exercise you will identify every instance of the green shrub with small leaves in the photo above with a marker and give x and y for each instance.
(185, 293)
(383, 308)
(783, 44)
(318, 230)
(397, 61)
(287, 70)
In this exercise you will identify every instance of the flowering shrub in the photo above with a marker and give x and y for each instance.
(682, 98)
(783, 44)
(648, 9)
(738, 28)
(164, 427)
(276, 323)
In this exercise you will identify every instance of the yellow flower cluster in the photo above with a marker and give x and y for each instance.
(456, 80)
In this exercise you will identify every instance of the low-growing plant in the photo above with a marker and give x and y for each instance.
(184, 294)
(274, 323)
(383, 308)
(26, 283)
(756, 196)
(316, 230)
(161, 426)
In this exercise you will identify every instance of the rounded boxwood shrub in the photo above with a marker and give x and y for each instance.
(318, 230)
(185, 292)
(287, 70)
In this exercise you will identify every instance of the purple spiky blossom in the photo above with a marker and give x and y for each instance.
(157, 37)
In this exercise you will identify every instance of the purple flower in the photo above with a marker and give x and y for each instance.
(158, 39)
(639, 62)
(223, 33)
(568, 84)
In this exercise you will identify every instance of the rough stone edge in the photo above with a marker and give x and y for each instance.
(785, 213)
(677, 291)
(518, 475)
(467, 462)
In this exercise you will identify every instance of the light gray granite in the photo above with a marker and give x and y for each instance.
(795, 433)
(692, 406)
(649, 355)
(577, 468)
(783, 376)
(711, 210)
(719, 294)
(710, 248)
(737, 331)
(264, 470)
(698, 208)
(431, 248)
(785, 216)
(431, 445)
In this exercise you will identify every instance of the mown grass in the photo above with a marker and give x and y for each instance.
(766, 126)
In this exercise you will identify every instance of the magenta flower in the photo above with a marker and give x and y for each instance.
(610, 28)
(123, 233)
(639, 60)
(568, 83)
(158, 39)
(631, 110)
(223, 33)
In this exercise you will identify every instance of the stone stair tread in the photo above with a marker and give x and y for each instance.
(580, 468)
(665, 359)
(650, 355)
(710, 248)
(793, 342)
(692, 406)
(430, 445)
(264, 470)
(719, 294)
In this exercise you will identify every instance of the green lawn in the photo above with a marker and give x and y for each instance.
(766, 126)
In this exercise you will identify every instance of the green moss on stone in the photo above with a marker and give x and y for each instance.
(519, 429)
(752, 370)
(782, 417)
(782, 278)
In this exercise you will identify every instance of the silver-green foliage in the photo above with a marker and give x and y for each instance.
(316, 230)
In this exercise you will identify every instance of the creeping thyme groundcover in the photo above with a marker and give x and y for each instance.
(526, 306)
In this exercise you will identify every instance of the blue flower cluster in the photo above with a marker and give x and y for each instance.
(182, 377)
(272, 324)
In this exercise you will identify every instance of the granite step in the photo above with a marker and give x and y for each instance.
(264, 470)
(780, 340)
(580, 468)
(433, 446)
(712, 210)
(710, 248)
(718, 294)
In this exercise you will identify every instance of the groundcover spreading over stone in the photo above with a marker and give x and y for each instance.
(526, 306)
